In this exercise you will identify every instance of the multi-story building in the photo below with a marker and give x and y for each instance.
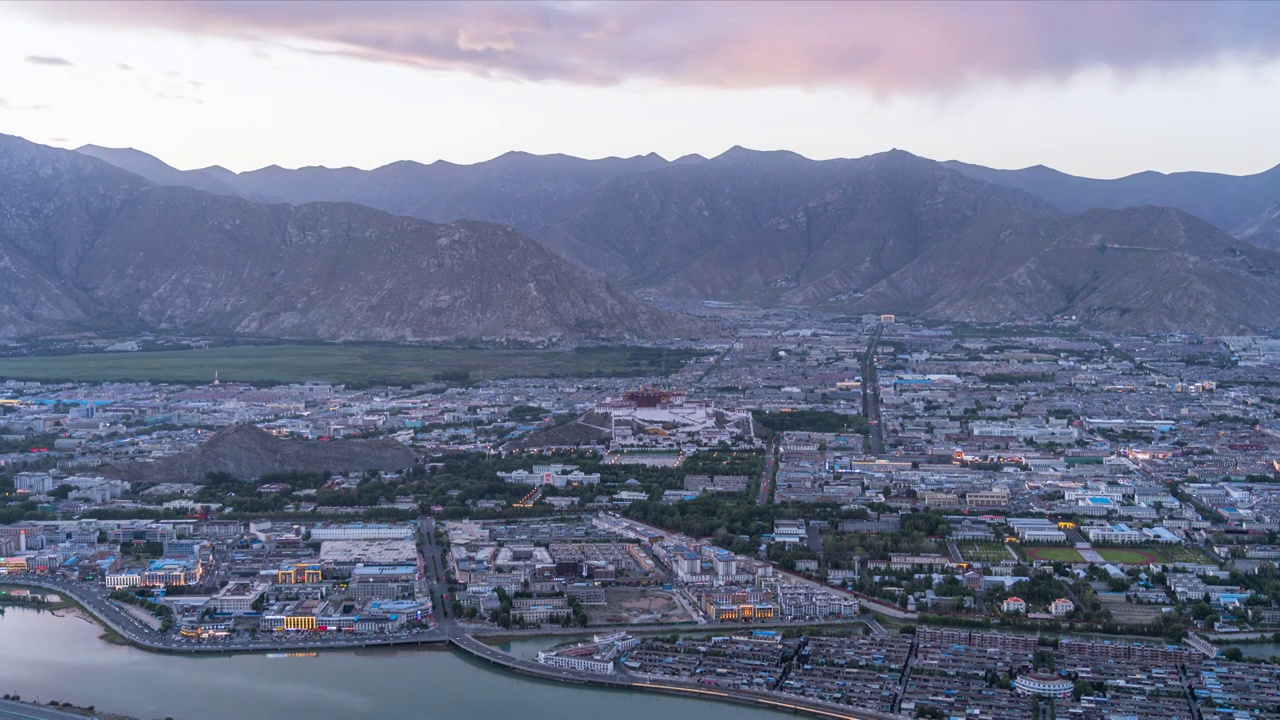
(362, 531)
(1119, 534)
(1014, 605)
(237, 598)
(987, 499)
(171, 571)
(940, 500)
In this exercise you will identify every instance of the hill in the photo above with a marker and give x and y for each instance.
(157, 171)
(247, 452)
(1232, 203)
(87, 246)
(890, 232)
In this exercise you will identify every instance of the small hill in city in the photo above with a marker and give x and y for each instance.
(247, 452)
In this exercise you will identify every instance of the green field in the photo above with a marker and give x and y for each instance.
(1125, 556)
(983, 552)
(1054, 554)
(1182, 553)
(358, 365)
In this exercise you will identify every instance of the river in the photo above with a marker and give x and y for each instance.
(1255, 650)
(46, 657)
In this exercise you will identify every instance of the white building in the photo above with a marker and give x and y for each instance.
(1118, 533)
(1014, 605)
(1061, 607)
(362, 531)
(554, 475)
(123, 580)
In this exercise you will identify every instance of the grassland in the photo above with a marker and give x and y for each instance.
(983, 552)
(1054, 554)
(357, 365)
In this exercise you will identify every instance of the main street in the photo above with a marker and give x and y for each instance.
(871, 394)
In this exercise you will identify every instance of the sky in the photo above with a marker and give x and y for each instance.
(1101, 89)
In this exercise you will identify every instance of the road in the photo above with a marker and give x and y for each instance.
(871, 394)
(623, 679)
(97, 600)
(433, 562)
(766, 477)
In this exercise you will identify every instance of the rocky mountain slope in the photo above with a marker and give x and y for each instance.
(527, 192)
(247, 452)
(1230, 202)
(86, 246)
(889, 232)
(157, 171)
(898, 233)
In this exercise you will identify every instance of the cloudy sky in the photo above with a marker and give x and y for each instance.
(1099, 89)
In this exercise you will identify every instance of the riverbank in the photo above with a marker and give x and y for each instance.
(39, 652)
(475, 648)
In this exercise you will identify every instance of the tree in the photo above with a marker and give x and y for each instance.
(1234, 654)
(62, 491)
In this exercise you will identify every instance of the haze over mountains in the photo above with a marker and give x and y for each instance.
(889, 232)
(87, 246)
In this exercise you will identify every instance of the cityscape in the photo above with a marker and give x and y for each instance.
(640, 360)
(1056, 521)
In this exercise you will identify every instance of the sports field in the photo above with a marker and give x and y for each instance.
(1128, 556)
(983, 552)
(1054, 554)
(1183, 553)
(1120, 556)
(359, 365)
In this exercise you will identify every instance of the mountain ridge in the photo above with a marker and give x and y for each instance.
(87, 246)
(886, 232)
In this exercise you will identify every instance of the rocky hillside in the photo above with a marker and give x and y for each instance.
(898, 233)
(528, 192)
(247, 452)
(890, 232)
(157, 171)
(1232, 203)
(85, 246)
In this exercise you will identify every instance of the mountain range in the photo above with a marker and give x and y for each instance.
(890, 232)
(415, 252)
(535, 193)
(85, 245)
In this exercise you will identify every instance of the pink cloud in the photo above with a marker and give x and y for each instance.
(886, 46)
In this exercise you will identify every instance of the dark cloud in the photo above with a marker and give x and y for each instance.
(49, 60)
(124, 67)
(888, 46)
